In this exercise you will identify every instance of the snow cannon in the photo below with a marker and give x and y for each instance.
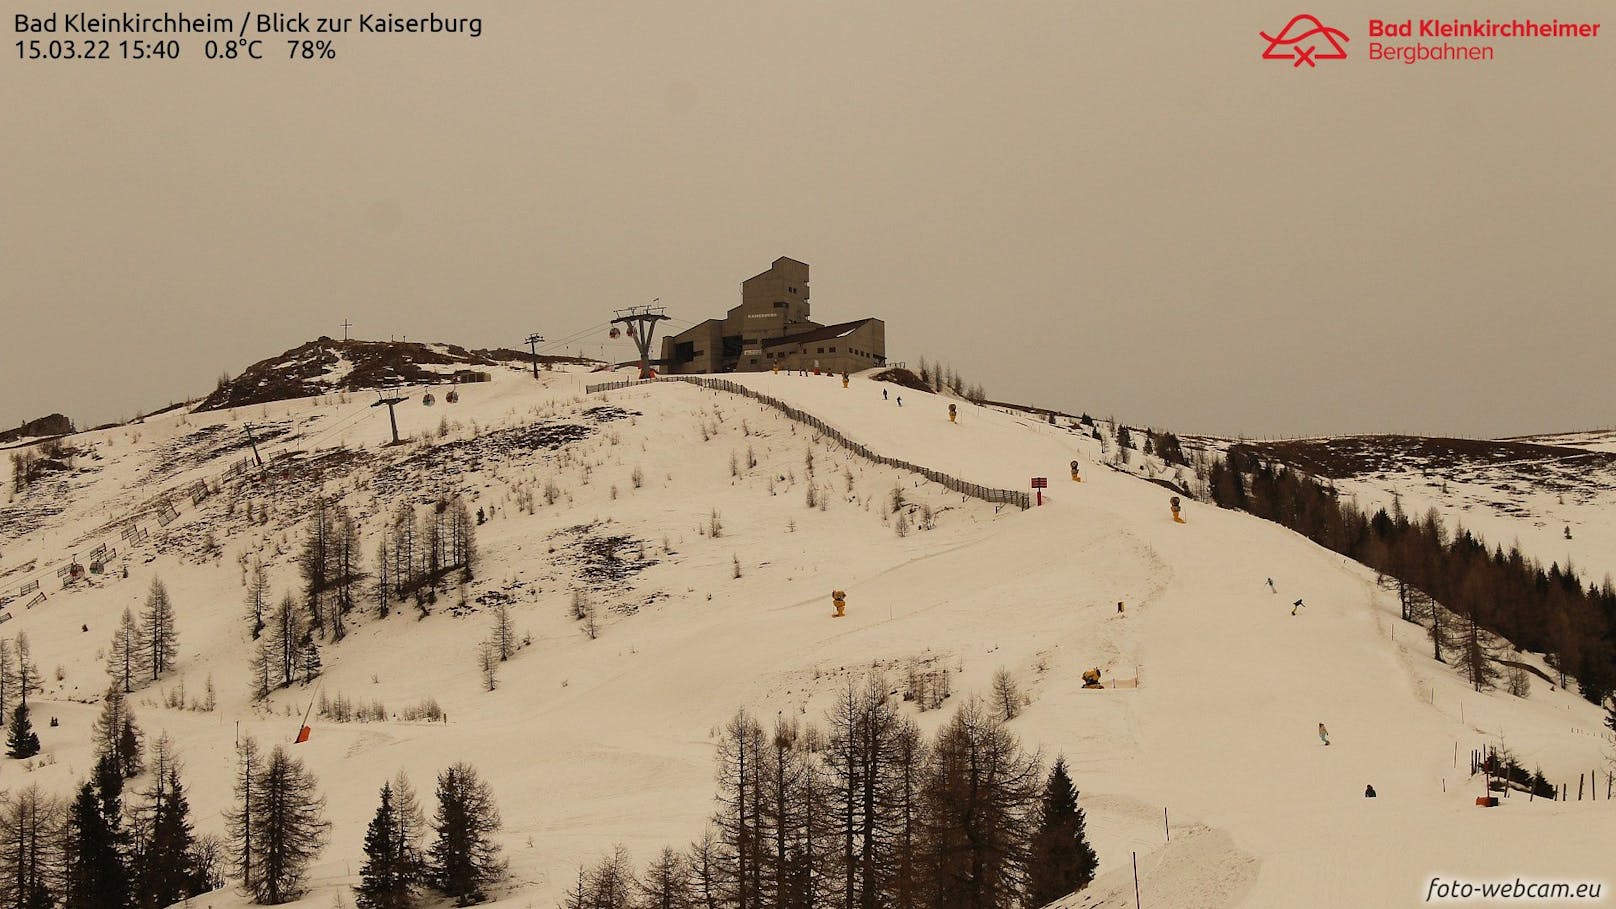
(1177, 517)
(952, 413)
(839, 598)
(1091, 678)
(1077, 475)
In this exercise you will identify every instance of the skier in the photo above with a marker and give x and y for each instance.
(900, 400)
(1119, 607)
(1324, 734)
(883, 394)
(1295, 606)
(1271, 587)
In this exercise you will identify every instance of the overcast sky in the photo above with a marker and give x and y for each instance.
(1112, 207)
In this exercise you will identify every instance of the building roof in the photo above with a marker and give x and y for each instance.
(819, 334)
(773, 266)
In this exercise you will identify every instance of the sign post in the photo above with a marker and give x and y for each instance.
(1039, 484)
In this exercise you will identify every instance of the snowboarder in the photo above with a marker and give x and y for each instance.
(1271, 587)
(1324, 734)
(1369, 792)
(1297, 605)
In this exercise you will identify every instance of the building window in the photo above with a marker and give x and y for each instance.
(779, 304)
(819, 350)
(833, 350)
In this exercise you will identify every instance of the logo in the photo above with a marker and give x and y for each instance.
(1301, 39)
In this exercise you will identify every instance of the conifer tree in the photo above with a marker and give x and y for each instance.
(289, 829)
(666, 883)
(980, 795)
(503, 635)
(464, 860)
(242, 817)
(93, 873)
(258, 600)
(126, 658)
(109, 733)
(8, 679)
(165, 861)
(286, 637)
(21, 741)
(1062, 861)
(314, 562)
(309, 659)
(30, 848)
(261, 668)
(129, 747)
(159, 635)
(383, 882)
(28, 681)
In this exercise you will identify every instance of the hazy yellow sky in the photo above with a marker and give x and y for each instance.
(1116, 207)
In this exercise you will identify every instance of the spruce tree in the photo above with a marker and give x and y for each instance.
(1062, 861)
(166, 871)
(464, 859)
(129, 747)
(383, 881)
(21, 742)
(93, 873)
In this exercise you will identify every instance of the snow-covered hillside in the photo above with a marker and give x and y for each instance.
(592, 742)
(1550, 495)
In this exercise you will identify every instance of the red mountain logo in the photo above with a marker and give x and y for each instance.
(1305, 39)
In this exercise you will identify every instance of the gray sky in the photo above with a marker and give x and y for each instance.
(1115, 207)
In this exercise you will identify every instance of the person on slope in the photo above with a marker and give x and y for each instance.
(1297, 605)
(883, 394)
(1271, 587)
(1324, 734)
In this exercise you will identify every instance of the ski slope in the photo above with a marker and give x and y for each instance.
(589, 743)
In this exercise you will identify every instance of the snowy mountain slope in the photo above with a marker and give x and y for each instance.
(592, 742)
(1528, 491)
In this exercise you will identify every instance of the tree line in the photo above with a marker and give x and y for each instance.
(1448, 580)
(867, 813)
